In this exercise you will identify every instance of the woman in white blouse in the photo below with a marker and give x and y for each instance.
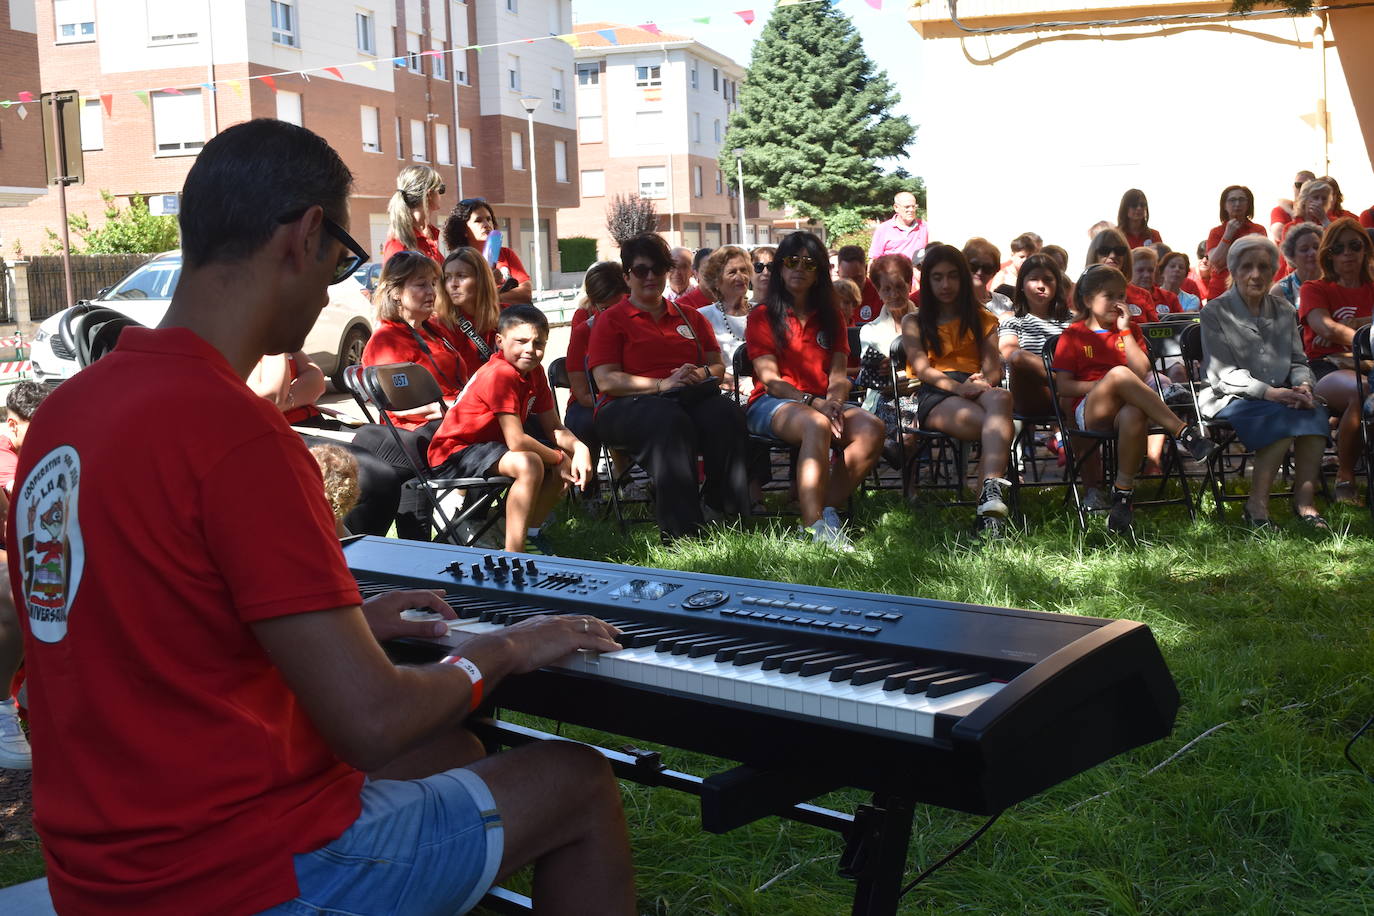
(726, 276)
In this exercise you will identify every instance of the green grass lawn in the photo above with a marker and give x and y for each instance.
(1268, 638)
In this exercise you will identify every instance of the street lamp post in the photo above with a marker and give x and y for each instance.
(739, 173)
(531, 103)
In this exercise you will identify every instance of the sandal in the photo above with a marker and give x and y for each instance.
(1346, 493)
(1314, 522)
(1257, 524)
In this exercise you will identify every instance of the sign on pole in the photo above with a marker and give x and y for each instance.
(62, 138)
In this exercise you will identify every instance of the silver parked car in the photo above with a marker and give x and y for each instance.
(335, 342)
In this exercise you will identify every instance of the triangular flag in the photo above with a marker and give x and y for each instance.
(25, 96)
(650, 27)
(6, 104)
(236, 86)
(369, 64)
(209, 86)
(608, 34)
(335, 71)
(399, 61)
(876, 4)
(107, 99)
(570, 40)
(172, 91)
(704, 20)
(142, 96)
(23, 112)
(748, 15)
(269, 82)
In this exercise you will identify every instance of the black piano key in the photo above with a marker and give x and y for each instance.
(846, 670)
(749, 656)
(703, 649)
(822, 665)
(793, 664)
(774, 661)
(898, 681)
(700, 647)
(955, 684)
(682, 642)
(728, 653)
(647, 638)
(506, 618)
(919, 684)
(876, 673)
(666, 643)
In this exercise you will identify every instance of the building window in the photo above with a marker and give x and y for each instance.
(465, 147)
(588, 74)
(720, 183)
(693, 78)
(715, 79)
(594, 183)
(696, 181)
(558, 90)
(440, 61)
(400, 150)
(512, 73)
(512, 6)
(555, 18)
(560, 161)
(653, 180)
(74, 20)
(696, 127)
(367, 31)
(691, 235)
(460, 65)
(289, 107)
(178, 122)
(716, 128)
(92, 126)
(372, 129)
(417, 142)
(649, 75)
(172, 22)
(589, 129)
(284, 23)
(517, 151)
(441, 145)
(413, 52)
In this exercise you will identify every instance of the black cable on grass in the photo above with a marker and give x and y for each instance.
(1351, 757)
(952, 853)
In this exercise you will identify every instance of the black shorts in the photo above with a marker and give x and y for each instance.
(1321, 368)
(927, 396)
(477, 460)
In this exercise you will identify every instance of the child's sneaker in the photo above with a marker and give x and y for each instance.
(1121, 516)
(15, 753)
(834, 538)
(1200, 447)
(991, 501)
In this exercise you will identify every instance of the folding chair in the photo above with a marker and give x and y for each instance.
(1215, 428)
(92, 331)
(1362, 351)
(1163, 342)
(406, 386)
(605, 467)
(944, 453)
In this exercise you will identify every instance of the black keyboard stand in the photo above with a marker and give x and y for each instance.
(876, 837)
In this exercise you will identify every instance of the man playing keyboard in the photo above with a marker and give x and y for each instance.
(207, 687)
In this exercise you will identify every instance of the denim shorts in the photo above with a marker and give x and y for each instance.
(759, 415)
(418, 846)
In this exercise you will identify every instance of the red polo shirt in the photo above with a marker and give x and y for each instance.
(1367, 218)
(1140, 241)
(869, 305)
(1216, 283)
(394, 342)
(1141, 304)
(627, 336)
(1165, 302)
(497, 388)
(513, 266)
(427, 244)
(1341, 302)
(803, 359)
(695, 298)
(174, 769)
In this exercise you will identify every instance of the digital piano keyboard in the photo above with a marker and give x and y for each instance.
(966, 707)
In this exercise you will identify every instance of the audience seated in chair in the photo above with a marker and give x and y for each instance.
(466, 308)
(1040, 311)
(602, 287)
(891, 275)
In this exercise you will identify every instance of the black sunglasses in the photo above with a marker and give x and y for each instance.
(642, 271)
(799, 262)
(1354, 246)
(469, 201)
(1119, 250)
(761, 266)
(978, 268)
(357, 257)
(443, 188)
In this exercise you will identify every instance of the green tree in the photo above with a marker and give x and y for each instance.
(814, 118)
(131, 230)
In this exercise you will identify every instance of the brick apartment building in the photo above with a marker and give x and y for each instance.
(447, 110)
(651, 118)
(22, 175)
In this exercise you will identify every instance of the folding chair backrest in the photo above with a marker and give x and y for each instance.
(1360, 346)
(854, 343)
(353, 381)
(401, 386)
(1047, 355)
(1162, 337)
(741, 366)
(557, 372)
(92, 331)
(1190, 346)
(896, 358)
(1179, 316)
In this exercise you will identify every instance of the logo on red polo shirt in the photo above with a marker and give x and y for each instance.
(866, 312)
(51, 552)
(685, 331)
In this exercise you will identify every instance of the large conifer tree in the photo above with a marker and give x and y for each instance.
(815, 114)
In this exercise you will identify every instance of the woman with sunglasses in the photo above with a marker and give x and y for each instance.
(1133, 219)
(799, 346)
(1331, 309)
(468, 227)
(763, 272)
(658, 368)
(951, 349)
(1109, 248)
(1237, 212)
(411, 213)
(984, 260)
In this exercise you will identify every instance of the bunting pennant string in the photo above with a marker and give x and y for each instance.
(573, 40)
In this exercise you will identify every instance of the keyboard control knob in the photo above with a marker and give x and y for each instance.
(703, 600)
(489, 561)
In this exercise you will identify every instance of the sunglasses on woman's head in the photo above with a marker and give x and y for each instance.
(761, 266)
(469, 201)
(442, 188)
(643, 271)
(1354, 246)
(799, 262)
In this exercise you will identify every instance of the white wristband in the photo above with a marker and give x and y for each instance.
(474, 674)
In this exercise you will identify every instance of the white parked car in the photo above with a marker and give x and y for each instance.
(335, 342)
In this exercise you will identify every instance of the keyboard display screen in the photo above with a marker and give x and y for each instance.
(644, 590)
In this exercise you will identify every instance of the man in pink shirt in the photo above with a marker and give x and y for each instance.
(904, 234)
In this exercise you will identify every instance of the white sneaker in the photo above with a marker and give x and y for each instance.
(991, 501)
(15, 753)
(832, 518)
(826, 536)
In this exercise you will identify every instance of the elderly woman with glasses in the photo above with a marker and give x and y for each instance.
(1258, 380)
(1331, 309)
(469, 225)
(984, 261)
(658, 368)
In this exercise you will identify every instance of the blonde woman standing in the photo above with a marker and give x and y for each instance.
(411, 212)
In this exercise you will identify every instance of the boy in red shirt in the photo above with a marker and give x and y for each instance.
(1103, 362)
(483, 434)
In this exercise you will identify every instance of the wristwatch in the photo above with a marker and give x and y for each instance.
(808, 399)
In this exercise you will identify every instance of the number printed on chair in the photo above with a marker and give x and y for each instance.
(400, 380)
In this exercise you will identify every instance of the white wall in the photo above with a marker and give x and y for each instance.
(538, 60)
(1047, 138)
(328, 38)
(23, 17)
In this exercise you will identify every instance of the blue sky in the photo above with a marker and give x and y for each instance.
(891, 43)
